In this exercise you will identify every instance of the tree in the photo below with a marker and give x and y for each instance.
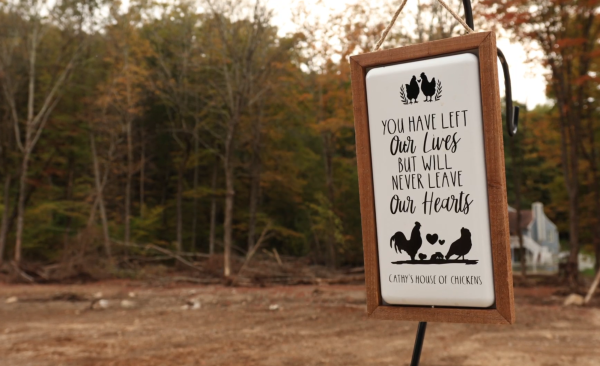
(125, 88)
(37, 22)
(566, 33)
(177, 64)
(240, 67)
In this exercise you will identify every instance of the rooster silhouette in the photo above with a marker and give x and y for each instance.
(427, 87)
(412, 89)
(412, 246)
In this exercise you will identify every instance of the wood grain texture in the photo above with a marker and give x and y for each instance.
(440, 315)
(503, 311)
(365, 182)
(496, 178)
(424, 50)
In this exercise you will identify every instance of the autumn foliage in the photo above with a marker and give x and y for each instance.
(199, 127)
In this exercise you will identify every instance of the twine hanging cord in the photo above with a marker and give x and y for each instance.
(397, 13)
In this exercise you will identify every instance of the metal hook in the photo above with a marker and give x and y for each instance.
(512, 114)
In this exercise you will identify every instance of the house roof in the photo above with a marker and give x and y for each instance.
(526, 219)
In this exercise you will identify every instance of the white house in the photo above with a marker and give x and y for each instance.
(540, 239)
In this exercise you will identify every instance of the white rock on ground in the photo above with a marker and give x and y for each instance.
(128, 304)
(100, 304)
(192, 304)
(12, 300)
(573, 299)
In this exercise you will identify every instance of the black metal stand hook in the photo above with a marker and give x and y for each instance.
(512, 123)
(416, 356)
(512, 114)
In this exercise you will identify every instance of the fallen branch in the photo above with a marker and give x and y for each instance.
(203, 281)
(592, 289)
(271, 255)
(261, 239)
(21, 273)
(152, 259)
(161, 250)
(277, 257)
(201, 255)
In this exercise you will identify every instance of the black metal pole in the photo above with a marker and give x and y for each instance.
(468, 13)
(418, 344)
(512, 117)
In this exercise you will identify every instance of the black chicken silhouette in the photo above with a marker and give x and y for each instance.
(412, 246)
(412, 89)
(427, 87)
(462, 246)
(437, 256)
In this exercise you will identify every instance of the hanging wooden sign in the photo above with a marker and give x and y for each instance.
(432, 183)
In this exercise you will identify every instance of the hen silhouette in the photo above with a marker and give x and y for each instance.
(427, 87)
(412, 246)
(412, 90)
(462, 246)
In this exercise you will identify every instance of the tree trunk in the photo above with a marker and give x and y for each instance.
(21, 205)
(5, 217)
(516, 167)
(328, 158)
(128, 183)
(142, 170)
(99, 193)
(29, 192)
(195, 202)
(96, 203)
(105, 231)
(68, 195)
(573, 266)
(595, 182)
(327, 138)
(255, 170)
(213, 209)
(570, 164)
(15, 211)
(229, 195)
(228, 221)
(27, 147)
(596, 230)
(180, 172)
(129, 127)
(163, 196)
(520, 235)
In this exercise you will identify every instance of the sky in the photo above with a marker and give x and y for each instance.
(528, 82)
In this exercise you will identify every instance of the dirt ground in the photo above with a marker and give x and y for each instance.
(139, 324)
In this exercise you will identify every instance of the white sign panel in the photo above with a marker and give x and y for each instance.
(429, 177)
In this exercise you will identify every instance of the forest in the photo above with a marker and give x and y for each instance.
(199, 128)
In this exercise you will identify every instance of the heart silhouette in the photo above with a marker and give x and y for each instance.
(442, 242)
(431, 238)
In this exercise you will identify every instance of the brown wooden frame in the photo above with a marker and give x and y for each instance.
(484, 43)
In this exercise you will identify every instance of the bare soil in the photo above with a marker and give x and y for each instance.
(299, 325)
